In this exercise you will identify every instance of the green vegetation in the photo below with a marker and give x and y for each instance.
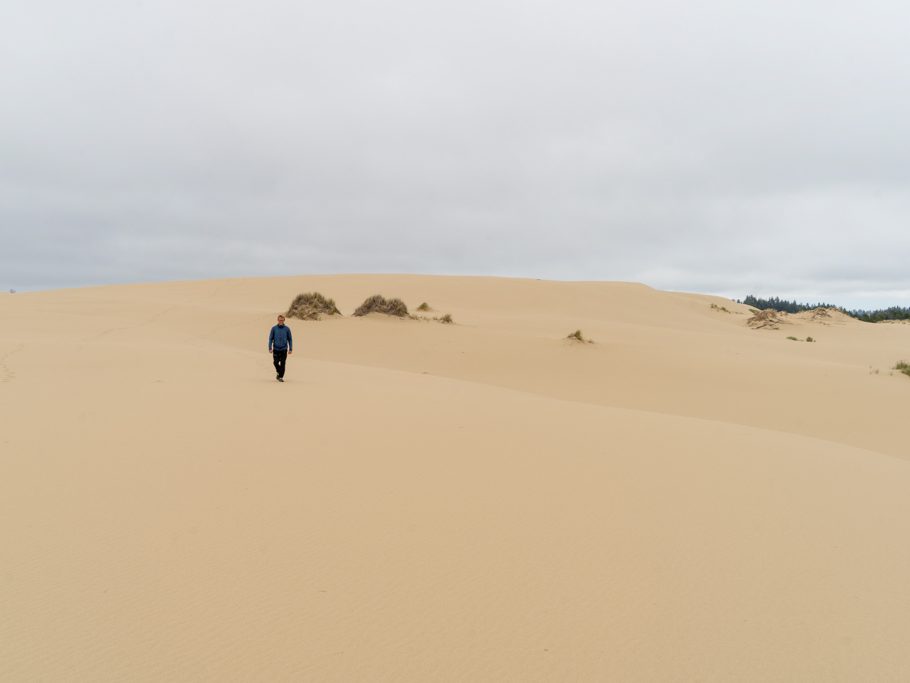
(891, 313)
(810, 339)
(424, 307)
(904, 367)
(379, 304)
(793, 338)
(723, 309)
(312, 306)
(781, 305)
(447, 319)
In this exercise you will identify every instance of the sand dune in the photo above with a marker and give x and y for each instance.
(684, 499)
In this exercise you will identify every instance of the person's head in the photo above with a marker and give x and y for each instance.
(281, 320)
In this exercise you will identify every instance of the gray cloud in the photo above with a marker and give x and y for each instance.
(730, 147)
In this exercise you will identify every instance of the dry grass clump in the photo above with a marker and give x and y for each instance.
(904, 367)
(579, 337)
(312, 306)
(424, 307)
(379, 304)
(723, 309)
(767, 319)
(447, 319)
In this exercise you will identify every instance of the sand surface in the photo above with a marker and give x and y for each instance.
(686, 499)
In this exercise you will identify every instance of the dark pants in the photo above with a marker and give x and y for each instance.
(279, 358)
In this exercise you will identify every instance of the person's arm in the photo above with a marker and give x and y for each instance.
(290, 342)
(271, 338)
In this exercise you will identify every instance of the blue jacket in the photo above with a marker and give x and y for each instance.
(280, 338)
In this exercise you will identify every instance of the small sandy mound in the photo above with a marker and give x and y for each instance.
(312, 306)
(379, 304)
(767, 319)
(824, 316)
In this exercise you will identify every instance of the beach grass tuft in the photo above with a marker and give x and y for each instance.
(379, 304)
(312, 306)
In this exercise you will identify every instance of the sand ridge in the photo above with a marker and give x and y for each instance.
(685, 499)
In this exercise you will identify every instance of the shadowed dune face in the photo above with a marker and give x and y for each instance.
(686, 499)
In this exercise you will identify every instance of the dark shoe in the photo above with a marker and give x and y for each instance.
(281, 379)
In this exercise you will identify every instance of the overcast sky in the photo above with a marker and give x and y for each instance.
(722, 146)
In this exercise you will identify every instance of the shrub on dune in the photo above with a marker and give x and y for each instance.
(379, 304)
(312, 306)
(579, 337)
(768, 318)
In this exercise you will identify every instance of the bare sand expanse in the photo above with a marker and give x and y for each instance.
(686, 499)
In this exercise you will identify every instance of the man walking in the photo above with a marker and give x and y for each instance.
(280, 345)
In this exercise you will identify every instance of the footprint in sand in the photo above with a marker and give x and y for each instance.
(6, 372)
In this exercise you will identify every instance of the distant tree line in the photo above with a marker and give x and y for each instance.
(778, 304)
(890, 313)
(782, 305)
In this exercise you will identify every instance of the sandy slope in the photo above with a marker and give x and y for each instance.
(686, 499)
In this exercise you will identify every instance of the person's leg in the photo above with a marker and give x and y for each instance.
(276, 361)
(281, 358)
